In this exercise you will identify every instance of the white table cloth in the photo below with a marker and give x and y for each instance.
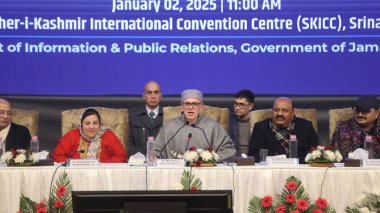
(340, 186)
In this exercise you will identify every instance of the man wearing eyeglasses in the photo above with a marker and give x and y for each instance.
(145, 120)
(192, 129)
(13, 135)
(239, 121)
(350, 134)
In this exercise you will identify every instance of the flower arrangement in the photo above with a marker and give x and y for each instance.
(59, 199)
(367, 202)
(19, 156)
(198, 157)
(293, 199)
(323, 154)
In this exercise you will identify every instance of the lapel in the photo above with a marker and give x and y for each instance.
(10, 137)
(145, 119)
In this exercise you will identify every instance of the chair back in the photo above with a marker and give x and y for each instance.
(27, 118)
(114, 119)
(221, 115)
(262, 114)
(336, 116)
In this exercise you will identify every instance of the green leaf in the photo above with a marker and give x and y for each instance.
(188, 182)
(255, 206)
(63, 180)
(27, 205)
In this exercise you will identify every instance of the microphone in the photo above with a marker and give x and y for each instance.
(194, 126)
(188, 140)
(186, 123)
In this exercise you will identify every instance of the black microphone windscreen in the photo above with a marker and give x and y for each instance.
(193, 125)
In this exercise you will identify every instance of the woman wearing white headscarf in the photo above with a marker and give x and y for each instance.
(90, 140)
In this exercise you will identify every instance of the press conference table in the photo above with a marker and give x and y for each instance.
(340, 186)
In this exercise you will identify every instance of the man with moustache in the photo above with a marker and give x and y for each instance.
(350, 134)
(274, 133)
(14, 136)
(145, 120)
(192, 129)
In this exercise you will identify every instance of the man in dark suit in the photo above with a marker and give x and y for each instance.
(13, 135)
(274, 133)
(145, 120)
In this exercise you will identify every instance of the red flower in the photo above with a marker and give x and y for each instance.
(302, 205)
(61, 191)
(41, 210)
(291, 185)
(58, 204)
(210, 149)
(266, 201)
(281, 209)
(331, 147)
(198, 163)
(317, 211)
(290, 198)
(41, 205)
(192, 148)
(313, 148)
(321, 203)
(295, 211)
(14, 152)
(193, 189)
(19, 212)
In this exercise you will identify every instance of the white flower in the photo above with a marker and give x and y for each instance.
(6, 157)
(376, 192)
(191, 156)
(20, 158)
(329, 155)
(307, 158)
(216, 156)
(338, 156)
(176, 186)
(360, 199)
(206, 156)
(316, 154)
(21, 151)
(320, 148)
(35, 157)
(200, 151)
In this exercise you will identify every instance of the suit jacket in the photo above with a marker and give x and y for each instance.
(234, 129)
(140, 128)
(263, 138)
(18, 137)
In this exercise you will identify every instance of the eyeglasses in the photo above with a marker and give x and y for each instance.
(241, 105)
(191, 104)
(3, 112)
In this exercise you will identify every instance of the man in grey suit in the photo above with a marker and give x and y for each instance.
(145, 120)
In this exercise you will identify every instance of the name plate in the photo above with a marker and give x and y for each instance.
(83, 163)
(283, 161)
(171, 163)
(371, 163)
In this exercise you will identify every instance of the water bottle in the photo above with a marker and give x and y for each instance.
(1, 147)
(150, 152)
(35, 144)
(293, 147)
(368, 145)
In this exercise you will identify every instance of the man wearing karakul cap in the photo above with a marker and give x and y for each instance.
(350, 134)
(174, 135)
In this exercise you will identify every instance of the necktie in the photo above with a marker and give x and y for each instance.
(151, 115)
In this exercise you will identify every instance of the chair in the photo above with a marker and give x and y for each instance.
(114, 119)
(262, 114)
(26, 118)
(336, 116)
(221, 115)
